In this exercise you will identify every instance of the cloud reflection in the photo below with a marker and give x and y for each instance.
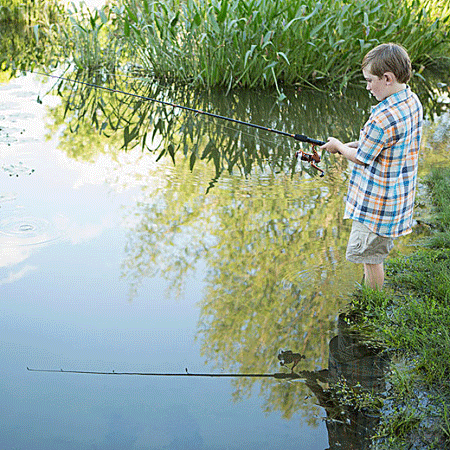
(15, 276)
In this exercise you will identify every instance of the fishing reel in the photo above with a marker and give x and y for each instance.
(289, 357)
(313, 158)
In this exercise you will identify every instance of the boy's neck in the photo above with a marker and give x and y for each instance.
(397, 87)
(391, 89)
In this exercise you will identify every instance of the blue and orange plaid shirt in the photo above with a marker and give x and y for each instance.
(381, 192)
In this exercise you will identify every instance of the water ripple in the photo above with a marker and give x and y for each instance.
(7, 197)
(28, 231)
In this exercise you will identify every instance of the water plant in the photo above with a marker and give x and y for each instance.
(89, 37)
(260, 43)
(228, 43)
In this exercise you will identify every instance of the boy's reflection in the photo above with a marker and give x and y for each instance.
(355, 364)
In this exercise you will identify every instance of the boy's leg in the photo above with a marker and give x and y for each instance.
(368, 248)
(374, 275)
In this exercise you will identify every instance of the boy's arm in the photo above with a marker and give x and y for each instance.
(347, 150)
(353, 144)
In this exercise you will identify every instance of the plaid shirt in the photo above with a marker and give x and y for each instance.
(381, 192)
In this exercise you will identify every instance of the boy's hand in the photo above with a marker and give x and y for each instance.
(332, 146)
(348, 150)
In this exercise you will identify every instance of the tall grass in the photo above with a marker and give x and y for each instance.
(91, 39)
(231, 43)
(48, 33)
(259, 43)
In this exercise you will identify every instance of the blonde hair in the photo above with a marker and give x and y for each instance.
(388, 58)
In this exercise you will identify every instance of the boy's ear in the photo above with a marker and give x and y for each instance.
(389, 77)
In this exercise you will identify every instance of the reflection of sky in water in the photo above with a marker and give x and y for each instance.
(64, 304)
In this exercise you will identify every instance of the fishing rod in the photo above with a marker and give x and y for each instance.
(298, 137)
(286, 357)
(278, 375)
(313, 158)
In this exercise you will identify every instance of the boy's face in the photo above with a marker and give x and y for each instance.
(378, 87)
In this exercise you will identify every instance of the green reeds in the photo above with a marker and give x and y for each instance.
(231, 43)
(91, 40)
(260, 43)
(46, 33)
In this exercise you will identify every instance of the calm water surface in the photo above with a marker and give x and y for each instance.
(112, 260)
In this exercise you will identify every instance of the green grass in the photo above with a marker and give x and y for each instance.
(260, 43)
(228, 43)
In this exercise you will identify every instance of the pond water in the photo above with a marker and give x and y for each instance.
(164, 262)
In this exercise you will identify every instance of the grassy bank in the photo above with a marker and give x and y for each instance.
(411, 318)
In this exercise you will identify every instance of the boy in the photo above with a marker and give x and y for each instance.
(382, 185)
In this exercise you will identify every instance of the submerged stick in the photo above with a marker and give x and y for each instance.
(281, 375)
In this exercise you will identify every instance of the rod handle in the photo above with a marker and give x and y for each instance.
(303, 138)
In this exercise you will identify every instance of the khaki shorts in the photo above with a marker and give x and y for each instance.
(365, 246)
